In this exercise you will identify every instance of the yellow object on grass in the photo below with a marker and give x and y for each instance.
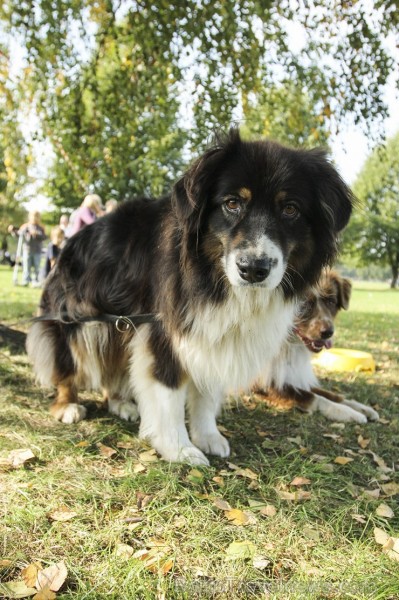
(343, 359)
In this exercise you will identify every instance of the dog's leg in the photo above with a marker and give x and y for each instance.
(204, 432)
(124, 409)
(66, 408)
(335, 411)
(369, 412)
(162, 423)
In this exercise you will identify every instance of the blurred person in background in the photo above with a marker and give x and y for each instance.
(88, 212)
(33, 235)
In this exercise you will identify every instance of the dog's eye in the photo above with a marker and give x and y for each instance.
(290, 211)
(233, 205)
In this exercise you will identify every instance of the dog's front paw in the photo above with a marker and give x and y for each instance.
(124, 409)
(367, 411)
(212, 443)
(189, 454)
(68, 413)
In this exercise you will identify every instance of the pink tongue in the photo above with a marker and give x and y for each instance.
(328, 344)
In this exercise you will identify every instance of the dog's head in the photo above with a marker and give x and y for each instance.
(315, 322)
(268, 215)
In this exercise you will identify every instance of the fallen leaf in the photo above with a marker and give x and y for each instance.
(82, 444)
(5, 562)
(359, 518)
(254, 485)
(62, 514)
(298, 481)
(248, 473)
(260, 562)
(218, 480)
(363, 442)
(380, 536)
(390, 489)
(372, 494)
(326, 467)
(296, 496)
(149, 456)
(143, 499)
(139, 468)
(268, 511)
(333, 436)
(19, 457)
(240, 550)
(311, 533)
(30, 572)
(106, 451)
(125, 445)
(295, 440)
(16, 589)
(53, 576)
(124, 551)
(222, 504)
(237, 516)
(44, 594)
(342, 460)
(195, 476)
(383, 510)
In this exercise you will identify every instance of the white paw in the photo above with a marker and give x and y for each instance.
(370, 413)
(73, 413)
(212, 443)
(186, 454)
(124, 409)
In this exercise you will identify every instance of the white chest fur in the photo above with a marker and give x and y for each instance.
(229, 345)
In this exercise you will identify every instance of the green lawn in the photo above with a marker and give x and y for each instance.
(128, 525)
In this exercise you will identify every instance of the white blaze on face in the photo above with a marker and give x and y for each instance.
(264, 248)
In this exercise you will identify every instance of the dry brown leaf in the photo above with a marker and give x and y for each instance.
(222, 504)
(82, 444)
(333, 436)
(248, 473)
(372, 494)
(260, 562)
(5, 562)
(106, 451)
(383, 510)
(298, 481)
(237, 517)
(16, 589)
(124, 551)
(391, 488)
(44, 594)
(125, 445)
(143, 499)
(20, 456)
(342, 460)
(149, 456)
(359, 518)
(29, 574)
(53, 577)
(363, 442)
(254, 485)
(219, 481)
(380, 536)
(62, 514)
(296, 496)
(139, 468)
(268, 511)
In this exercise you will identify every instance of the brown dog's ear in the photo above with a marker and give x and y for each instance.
(336, 197)
(344, 287)
(191, 192)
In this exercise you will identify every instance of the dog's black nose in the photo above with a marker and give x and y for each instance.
(253, 270)
(327, 333)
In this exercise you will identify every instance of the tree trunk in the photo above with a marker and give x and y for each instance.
(395, 276)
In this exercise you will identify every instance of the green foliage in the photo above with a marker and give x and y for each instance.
(126, 91)
(373, 234)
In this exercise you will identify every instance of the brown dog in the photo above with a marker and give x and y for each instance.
(290, 381)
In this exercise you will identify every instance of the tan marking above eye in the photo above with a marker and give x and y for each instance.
(280, 196)
(245, 193)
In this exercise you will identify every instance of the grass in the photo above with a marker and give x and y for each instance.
(320, 548)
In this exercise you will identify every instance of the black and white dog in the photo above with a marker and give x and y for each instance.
(221, 262)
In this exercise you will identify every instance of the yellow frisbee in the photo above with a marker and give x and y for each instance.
(343, 359)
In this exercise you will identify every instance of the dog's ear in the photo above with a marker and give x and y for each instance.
(344, 287)
(191, 192)
(336, 197)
